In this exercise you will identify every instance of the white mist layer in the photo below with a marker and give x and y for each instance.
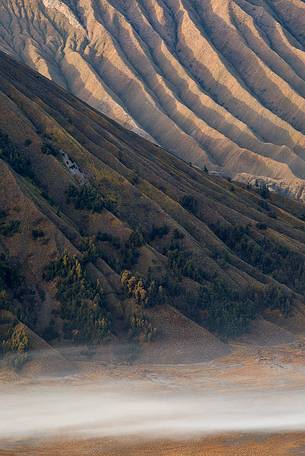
(120, 410)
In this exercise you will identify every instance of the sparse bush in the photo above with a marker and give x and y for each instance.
(88, 197)
(16, 345)
(261, 226)
(190, 203)
(14, 157)
(49, 149)
(158, 232)
(264, 205)
(135, 178)
(10, 228)
(264, 191)
(276, 298)
(181, 262)
(19, 341)
(37, 234)
(106, 237)
(145, 293)
(136, 239)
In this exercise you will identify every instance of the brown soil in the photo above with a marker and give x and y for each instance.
(227, 445)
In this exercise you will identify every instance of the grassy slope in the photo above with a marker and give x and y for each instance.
(147, 184)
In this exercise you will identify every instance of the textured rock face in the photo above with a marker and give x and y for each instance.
(218, 82)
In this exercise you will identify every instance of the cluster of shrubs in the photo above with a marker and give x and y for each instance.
(8, 228)
(37, 233)
(181, 262)
(127, 252)
(15, 158)
(89, 197)
(226, 310)
(9, 280)
(83, 306)
(15, 296)
(16, 344)
(264, 191)
(221, 307)
(190, 203)
(115, 241)
(229, 311)
(19, 340)
(158, 232)
(21, 301)
(271, 257)
(49, 149)
(144, 295)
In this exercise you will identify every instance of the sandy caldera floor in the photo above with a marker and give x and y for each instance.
(225, 445)
(248, 367)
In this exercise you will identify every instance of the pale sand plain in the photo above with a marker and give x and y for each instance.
(247, 368)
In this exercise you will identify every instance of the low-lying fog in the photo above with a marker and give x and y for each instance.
(84, 409)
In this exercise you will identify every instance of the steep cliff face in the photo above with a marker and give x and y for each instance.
(220, 83)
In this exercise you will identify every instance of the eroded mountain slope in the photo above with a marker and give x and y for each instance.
(220, 83)
(106, 237)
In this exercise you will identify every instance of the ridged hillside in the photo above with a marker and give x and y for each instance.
(220, 83)
(107, 237)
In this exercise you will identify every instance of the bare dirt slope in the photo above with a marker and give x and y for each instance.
(219, 82)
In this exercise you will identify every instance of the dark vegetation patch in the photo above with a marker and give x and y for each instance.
(15, 345)
(270, 257)
(211, 301)
(15, 296)
(15, 158)
(20, 300)
(37, 234)
(83, 305)
(89, 197)
(49, 149)
(119, 256)
(229, 311)
(222, 307)
(190, 203)
(9, 228)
